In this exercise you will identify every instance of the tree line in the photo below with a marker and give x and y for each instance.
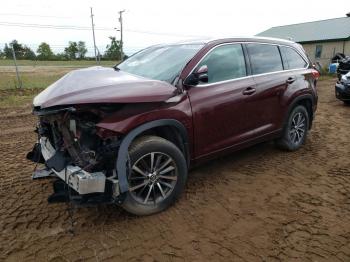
(73, 51)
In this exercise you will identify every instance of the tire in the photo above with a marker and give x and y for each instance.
(294, 134)
(347, 102)
(152, 191)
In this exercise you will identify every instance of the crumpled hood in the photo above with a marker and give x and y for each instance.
(102, 85)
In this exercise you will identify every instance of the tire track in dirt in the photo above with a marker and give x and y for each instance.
(260, 204)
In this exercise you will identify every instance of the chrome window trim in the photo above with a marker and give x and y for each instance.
(248, 76)
(224, 81)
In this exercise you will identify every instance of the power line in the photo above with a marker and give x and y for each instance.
(72, 27)
(63, 46)
(53, 45)
(69, 27)
(162, 33)
(28, 15)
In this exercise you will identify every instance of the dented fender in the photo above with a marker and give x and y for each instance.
(123, 153)
(142, 117)
(136, 114)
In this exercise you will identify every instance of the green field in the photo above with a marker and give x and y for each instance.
(39, 74)
(17, 98)
(29, 79)
(73, 63)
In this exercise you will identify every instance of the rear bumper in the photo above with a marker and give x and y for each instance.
(81, 181)
(342, 92)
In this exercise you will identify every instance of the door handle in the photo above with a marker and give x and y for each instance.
(249, 91)
(290, 80)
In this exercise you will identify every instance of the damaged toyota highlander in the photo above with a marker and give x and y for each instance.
(128, 135)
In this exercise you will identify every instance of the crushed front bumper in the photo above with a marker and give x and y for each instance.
(81, 181)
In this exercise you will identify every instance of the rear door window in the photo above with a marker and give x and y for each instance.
(264, 58)
(292, 59)
(224, 63)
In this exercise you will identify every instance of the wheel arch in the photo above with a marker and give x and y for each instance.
(305, 100)
(160, 126)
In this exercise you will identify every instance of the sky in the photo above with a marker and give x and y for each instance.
(152, 22)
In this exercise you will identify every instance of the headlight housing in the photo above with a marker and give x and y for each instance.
(344, 78)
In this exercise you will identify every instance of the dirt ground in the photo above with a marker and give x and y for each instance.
(260, 204)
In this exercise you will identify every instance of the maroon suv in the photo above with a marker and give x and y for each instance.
(128, 134)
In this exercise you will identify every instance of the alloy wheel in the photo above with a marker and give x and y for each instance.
(152, 178)
(298, 128)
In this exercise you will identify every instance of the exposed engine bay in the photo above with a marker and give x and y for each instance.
(73, 149)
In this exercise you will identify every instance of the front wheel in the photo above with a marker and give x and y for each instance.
(157, 177)
(295, 130)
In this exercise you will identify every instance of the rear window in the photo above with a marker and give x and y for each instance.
(264, 58)
(292, 59)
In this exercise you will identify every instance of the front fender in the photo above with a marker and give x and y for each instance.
(123, 153)
(134, 119)
(136, 114)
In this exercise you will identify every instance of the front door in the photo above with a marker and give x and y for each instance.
(222, 109)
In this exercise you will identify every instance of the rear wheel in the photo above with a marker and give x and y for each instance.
(295, 130)
(157, 177)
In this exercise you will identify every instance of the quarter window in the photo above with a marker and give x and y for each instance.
(291, 59)
(224, 63)
(264, 58)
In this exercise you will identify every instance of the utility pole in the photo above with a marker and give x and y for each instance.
(121, 33)
(93, 34)
(98, 55)
(17, 73)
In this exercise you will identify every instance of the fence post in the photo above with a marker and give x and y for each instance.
(17, 73)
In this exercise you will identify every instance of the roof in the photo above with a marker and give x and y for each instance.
(323, 30)
(231, 39)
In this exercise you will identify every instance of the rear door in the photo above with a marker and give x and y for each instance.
(271, 81)
(299, 78)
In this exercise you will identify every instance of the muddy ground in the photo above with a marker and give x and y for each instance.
(260, 204)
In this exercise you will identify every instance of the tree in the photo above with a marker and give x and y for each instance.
(72, 50)
(81, 50)
(7, 52)
(17, 47)
(44, 52)
(28, 53)
(113, 50)
(61, 57)
(22, 52)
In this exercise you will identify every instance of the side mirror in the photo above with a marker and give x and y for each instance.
(200, 75)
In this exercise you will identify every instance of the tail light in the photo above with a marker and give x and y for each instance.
(315, 74)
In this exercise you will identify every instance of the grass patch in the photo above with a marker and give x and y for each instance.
(73, 63)
(39, 74)
(8, 80)
(15, 101)
(327, 77)
(17, 98)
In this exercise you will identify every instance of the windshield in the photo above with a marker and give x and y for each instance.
(160, 62)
